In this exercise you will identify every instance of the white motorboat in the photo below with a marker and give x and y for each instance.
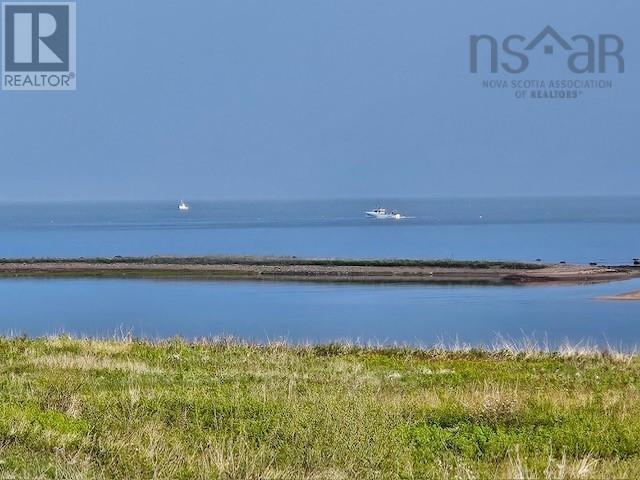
(382, 213)
(183, 207)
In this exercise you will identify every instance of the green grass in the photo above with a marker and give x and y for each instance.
(131, 409)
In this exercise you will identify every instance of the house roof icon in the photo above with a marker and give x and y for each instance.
(548, 32)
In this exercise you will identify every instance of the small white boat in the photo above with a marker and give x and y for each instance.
(381, 213)
(183, 207)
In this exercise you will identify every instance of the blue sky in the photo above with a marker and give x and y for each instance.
(315, 99)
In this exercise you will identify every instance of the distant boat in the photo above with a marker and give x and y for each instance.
(183, 207)
(381, 213)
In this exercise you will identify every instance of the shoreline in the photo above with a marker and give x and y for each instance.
(627, 297)
(315, 270)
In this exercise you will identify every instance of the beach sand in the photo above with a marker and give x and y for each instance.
(623, 296)
(318, 270)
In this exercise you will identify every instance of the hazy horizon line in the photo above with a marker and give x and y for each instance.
(313, 199)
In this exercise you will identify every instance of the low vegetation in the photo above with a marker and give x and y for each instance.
(282, 261)
(133, 409)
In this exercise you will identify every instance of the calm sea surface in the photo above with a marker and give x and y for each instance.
(574, 230)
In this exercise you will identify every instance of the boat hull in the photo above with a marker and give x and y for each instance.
(383, 216)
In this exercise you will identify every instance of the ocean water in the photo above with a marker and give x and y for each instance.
(320, 313)
(573, 230)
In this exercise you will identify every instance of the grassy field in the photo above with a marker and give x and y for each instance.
(128, 409)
